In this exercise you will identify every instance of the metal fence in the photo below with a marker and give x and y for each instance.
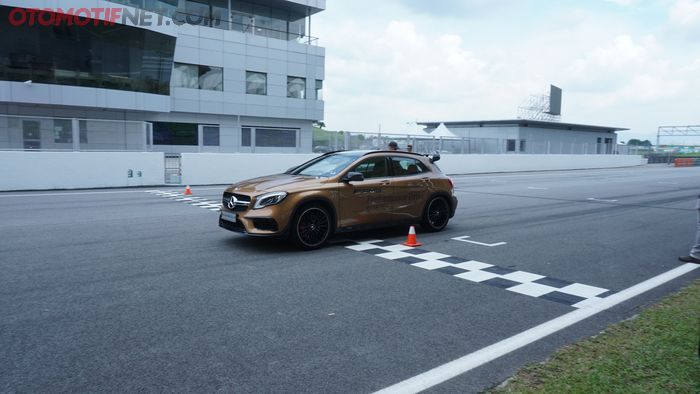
(36, 133)
(325, 141)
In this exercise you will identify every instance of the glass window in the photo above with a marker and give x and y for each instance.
(83, 132)
(186, 76)
(197, 12)
(522, 145)
(245, 136)
(279, 138)
(256, 83)
(110, 57)
(211, 78)
(198, 77)
(175, 133)
(210, 135)
(373, 168)
(403, 166)
(325, 166)
(319, 89)
(510, 145)
(62, 131)
(296, 87)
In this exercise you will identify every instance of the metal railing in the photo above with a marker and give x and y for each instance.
(324, 141)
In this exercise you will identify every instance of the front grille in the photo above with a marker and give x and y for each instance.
(242, 204)
(237, 226)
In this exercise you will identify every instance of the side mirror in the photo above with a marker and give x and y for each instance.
(353, 177)
(434, 157)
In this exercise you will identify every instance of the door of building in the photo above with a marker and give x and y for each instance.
(173, 172)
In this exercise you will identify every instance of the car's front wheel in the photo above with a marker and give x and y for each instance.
(436, 214)
(311, 226)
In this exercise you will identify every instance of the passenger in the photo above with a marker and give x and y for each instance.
(409, 148)
(393, 146)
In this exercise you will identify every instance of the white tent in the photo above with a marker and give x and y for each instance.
(442, 131)
(415, 130)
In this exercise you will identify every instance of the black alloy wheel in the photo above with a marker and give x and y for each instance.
(437, 214)
(312, 227)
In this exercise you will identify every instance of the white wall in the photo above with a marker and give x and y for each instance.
(72, 170)
(215, 168)
(223, 168)
(23, 170)
(475, 164)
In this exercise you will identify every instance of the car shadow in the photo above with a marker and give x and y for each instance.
(271, 246)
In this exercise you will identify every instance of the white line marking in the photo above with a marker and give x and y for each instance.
(464, 239)
(599, 199)
(71, 193)
(482, 356)
(537, 188)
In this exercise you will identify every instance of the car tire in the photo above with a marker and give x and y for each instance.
(436, 214)
(311, 227)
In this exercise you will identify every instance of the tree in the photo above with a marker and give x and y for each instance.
(320, 124)
(636, 142)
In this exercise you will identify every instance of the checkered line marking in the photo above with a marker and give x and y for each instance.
(574, 294)
(194, 201)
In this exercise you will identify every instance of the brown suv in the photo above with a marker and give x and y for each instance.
(341, 191)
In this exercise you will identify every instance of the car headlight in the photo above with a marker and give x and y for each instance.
(267, 199)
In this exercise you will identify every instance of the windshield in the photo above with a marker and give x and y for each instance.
(325, 166)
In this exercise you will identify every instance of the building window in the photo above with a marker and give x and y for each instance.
(83, 132)
(94, 55)
(175, 133)
(522, 145)
(210, 135)
(510, 145)
(192, 76)
(62, 131)
(245, 136)
(319, 89)
(277, 138)
(296, 87)
(255, 83)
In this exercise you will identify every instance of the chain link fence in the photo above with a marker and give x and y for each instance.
(326, 141)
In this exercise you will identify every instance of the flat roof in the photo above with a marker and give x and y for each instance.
(524, 123)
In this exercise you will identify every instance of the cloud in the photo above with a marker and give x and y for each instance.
(685, 13)
(398, 65)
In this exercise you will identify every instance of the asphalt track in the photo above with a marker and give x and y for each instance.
(123, 290)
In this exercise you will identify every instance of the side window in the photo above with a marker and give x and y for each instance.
(372, 168)
(404, 166)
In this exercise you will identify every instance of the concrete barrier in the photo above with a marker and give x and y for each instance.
(74, 170)
(23, 170)
(224, 168)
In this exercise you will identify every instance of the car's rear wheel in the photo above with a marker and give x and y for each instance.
(436, 214)
(311, 227)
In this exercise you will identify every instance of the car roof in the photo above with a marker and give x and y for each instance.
(360, 153)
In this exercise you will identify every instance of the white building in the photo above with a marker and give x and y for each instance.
(169, 76)
(524, 136)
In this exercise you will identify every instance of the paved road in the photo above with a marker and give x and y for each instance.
(123, 290)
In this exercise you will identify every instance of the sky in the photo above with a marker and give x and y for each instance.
(623, 63)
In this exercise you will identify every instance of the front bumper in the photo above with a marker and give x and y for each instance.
(265, 222)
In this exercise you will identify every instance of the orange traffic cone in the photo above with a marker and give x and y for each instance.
(411, 240)
(188, 191)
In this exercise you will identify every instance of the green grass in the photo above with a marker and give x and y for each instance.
(655, 352)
